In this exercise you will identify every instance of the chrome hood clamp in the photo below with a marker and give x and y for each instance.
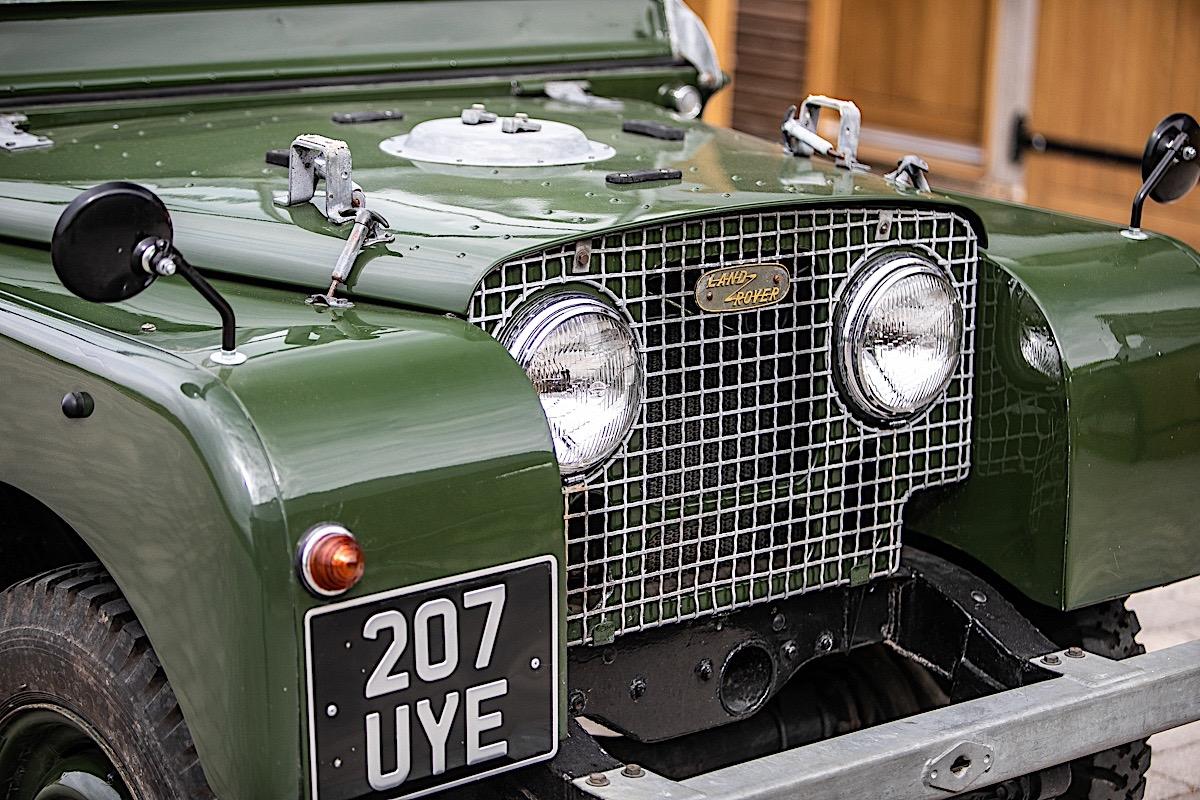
(312, 158)
(370, 228)
(800, 137)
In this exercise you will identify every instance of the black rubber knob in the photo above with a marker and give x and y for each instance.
(78, 405)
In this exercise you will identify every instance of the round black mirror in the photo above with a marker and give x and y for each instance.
(94, 242)
(1180, 178)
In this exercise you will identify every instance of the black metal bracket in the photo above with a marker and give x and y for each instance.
(160, 257)
(1024, 139)
(1169, 157)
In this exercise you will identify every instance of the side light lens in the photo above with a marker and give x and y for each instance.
(1034, 341)
(330, 560)
(898, 337)
(584, 362)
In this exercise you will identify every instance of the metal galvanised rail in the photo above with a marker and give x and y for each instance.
(1094, 704)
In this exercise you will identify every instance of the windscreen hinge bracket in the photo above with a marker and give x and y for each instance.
(313, 157)
(14, 136)
(801, 138)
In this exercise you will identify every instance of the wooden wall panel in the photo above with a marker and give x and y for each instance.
(918, 66)
(772, 44)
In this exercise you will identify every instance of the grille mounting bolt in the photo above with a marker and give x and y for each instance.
(637, 689)
(633, 771)
(825, 642)
(148, 327)
(979, 597)
(778, 622)
(577, 701)
(1051, 660)
(597, 779)
(1074, 652)
(705, 669)
(790, 650)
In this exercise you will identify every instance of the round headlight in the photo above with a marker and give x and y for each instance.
(583, 361)
(899, 331)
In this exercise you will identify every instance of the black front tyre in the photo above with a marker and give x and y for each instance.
(1110, 630)
(86, 712)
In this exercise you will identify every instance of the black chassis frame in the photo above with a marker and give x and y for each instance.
(951, 621)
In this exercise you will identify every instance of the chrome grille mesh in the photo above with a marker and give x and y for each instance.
(744, 478)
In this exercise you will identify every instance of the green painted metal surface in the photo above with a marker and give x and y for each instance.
(452, 223)
(152, 45)
(1093, 500)
(193, 483)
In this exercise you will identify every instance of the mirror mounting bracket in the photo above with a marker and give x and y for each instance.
(159, 257)
(1174, 153)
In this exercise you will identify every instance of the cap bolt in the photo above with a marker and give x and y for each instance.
(1074, 652)
(597, 779)
(633, 771)
(1051, 660)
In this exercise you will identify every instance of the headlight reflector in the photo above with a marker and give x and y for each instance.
(584, 362)
(899, 336)
(1035, 342)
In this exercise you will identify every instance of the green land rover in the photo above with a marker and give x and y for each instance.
(416, 397)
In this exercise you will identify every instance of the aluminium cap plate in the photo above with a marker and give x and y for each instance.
(450, 141)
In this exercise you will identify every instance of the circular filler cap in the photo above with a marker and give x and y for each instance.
(451, 141)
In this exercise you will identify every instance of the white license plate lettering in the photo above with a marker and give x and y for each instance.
(436, 719)
(434, 685)
(380, 780)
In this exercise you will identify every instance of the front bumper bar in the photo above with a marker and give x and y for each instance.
(1092, 705)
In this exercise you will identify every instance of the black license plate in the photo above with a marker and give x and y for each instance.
(434, 685)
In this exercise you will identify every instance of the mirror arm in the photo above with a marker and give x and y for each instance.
(1169, 158)
(228, 321)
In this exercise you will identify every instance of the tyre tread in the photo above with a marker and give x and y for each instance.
(84, 599)
(1107, 629)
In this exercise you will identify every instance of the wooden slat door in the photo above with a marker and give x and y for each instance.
(1107, 71)
(772, 38)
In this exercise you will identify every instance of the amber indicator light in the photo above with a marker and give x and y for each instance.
(331, 560)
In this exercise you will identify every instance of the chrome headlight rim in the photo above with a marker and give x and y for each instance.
(529, 328)
(880, 271)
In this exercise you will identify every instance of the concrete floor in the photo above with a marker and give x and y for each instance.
(1171, 615)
